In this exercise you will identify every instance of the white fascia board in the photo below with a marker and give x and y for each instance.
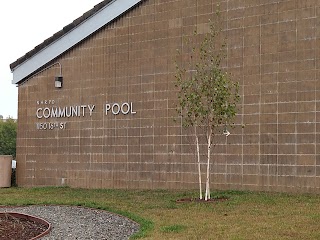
(76, 35)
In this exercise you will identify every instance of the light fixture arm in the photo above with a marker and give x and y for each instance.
(51, 65)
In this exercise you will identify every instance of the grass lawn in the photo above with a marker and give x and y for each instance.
(245, 215)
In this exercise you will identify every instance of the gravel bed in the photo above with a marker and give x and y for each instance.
(80, 223)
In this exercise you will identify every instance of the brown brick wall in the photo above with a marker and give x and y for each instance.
(273, 49)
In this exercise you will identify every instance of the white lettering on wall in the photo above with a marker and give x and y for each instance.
(50, 125)
(125, 106)
(38, 115)
(45, 102)
(116, 108)
(47, 112)
(62, 112)
(91, 109)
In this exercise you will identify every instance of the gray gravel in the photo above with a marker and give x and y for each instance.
(80, 223)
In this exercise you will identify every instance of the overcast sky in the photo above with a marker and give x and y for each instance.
(24, 24)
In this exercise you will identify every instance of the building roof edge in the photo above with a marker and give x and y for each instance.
(73, 33)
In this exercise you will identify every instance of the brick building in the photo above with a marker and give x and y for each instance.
(97, 99)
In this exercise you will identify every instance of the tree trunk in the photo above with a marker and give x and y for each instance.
(207, 195)
(198, 158)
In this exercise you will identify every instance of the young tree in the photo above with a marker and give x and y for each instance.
(8, 135)
(207, 95)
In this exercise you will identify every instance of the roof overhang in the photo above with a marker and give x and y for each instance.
(101, 18)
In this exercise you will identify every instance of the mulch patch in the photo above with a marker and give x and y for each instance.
(198, 200)
(12, 228)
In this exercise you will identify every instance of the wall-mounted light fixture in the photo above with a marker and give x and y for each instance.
(58, 80)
